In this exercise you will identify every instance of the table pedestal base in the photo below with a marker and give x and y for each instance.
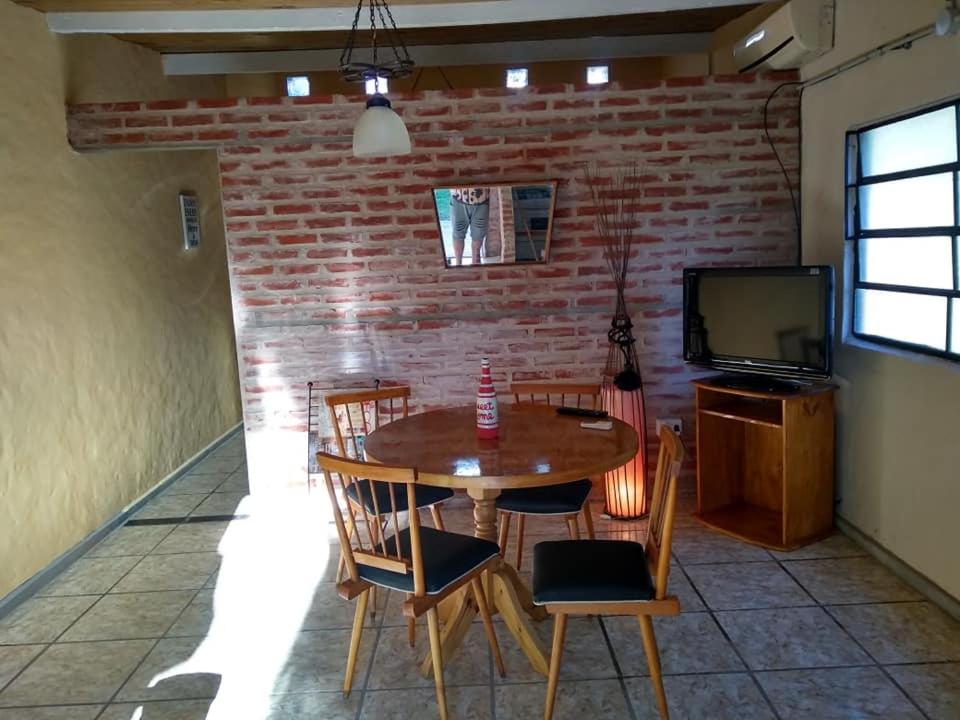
(506, 595)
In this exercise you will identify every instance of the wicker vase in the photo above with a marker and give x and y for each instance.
(625, 489)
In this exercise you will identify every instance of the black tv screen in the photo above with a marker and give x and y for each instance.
(769, 321)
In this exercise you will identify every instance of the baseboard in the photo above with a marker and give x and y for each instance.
(918, 581)
(32, 585)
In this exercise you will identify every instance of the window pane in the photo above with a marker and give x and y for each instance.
(915, 261)
(915, 202)
(955, 332)
(915, 319)
(922, 141)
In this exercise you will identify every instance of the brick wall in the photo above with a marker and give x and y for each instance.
(335, 263)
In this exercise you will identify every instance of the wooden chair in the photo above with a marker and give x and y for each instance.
(426, 564)
(367, 407)
(566, 499)
(355, 415)
(614, 577)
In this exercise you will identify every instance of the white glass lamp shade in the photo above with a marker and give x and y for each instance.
(380, 132)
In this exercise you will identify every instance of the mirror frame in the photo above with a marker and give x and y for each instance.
(554, 186)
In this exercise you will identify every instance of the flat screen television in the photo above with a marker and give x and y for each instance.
(769, 321)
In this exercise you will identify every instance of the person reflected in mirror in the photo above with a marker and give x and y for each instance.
(469, 210)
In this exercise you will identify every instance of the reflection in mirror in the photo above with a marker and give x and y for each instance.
(496, 224)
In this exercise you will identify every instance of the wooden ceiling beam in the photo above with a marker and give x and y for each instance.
(324, 19)
(661, 23)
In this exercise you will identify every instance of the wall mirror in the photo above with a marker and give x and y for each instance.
(495, 224)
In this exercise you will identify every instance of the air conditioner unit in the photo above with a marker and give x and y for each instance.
(794, 35)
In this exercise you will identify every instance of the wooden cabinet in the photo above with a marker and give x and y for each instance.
(765, 463)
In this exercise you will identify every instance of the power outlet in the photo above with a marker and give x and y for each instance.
(675, 424)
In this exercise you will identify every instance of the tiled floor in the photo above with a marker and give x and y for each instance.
(173, 619)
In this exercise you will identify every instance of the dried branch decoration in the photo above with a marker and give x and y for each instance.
(616, 201)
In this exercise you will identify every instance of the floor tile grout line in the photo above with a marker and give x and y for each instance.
(824, 608)
(95, 602)
(75, 620)
(153, 647)
(616, 666)
(876, 662)
(154, 547)
(736, 650)
(750, 672)
(156, 642)
(907, 695)
(24, 668)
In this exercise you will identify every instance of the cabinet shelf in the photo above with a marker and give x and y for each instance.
(750, 412)
(755, 524)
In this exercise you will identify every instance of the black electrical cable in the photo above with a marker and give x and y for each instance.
(776, 153)
(445, 78)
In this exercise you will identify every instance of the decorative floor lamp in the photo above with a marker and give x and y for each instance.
(615, 200)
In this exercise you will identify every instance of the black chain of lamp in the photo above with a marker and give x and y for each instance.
(400, 66)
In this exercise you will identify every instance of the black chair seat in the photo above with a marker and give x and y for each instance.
(563, 499)
(590, 571)
(424, 494)
(446, 557)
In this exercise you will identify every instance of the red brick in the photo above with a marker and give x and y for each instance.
(170, 137)
(167, 105)
(245, 212)
(270, 134)
(270, 225)
(254, 270)
(299, 239)
(293, 148)
(300, 269)
(339, 208)
(217, 135)
(344, 267)
(279, 254)
(188, 120)
(326, 253)
(217, 103)
(147, 121)
(293, 209)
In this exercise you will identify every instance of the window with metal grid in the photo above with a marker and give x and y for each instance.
(903, 224)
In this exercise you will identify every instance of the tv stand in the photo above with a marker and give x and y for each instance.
(758, 383)
(765, 463)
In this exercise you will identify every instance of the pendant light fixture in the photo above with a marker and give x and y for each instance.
(379, 132)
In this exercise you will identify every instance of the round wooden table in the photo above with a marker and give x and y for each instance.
(536, 446)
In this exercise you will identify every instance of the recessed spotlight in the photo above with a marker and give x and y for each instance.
(298, 86)
(376, 85)
(598, 74)
(517, 77)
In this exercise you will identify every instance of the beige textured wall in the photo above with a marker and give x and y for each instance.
(898, 451)
(117, 358)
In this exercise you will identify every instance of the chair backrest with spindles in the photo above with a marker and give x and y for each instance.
(377, 550)
(663, 508)
(584, 395)
(357, 414)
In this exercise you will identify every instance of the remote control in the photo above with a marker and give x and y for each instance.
(582, 412)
